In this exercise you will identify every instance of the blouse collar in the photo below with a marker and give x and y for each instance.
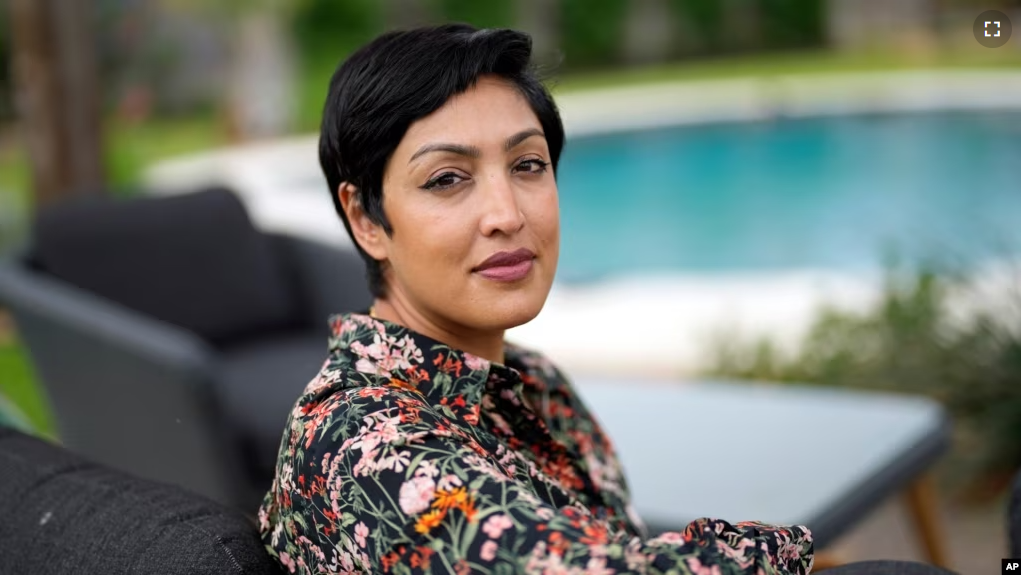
(452, 380)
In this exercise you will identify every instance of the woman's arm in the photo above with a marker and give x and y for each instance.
(407, 492)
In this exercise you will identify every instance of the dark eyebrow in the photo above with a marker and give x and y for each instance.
(521, 137)
(472, 151)
(469, 151)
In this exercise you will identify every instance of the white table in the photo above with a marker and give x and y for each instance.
(782, 454)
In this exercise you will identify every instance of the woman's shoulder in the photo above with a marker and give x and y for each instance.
(340, 388)
(336, 402)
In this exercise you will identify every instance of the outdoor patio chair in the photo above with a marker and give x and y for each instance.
(173, 337)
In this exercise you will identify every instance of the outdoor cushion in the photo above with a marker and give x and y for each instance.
(64, 515)
(193, 260)
(258, 385)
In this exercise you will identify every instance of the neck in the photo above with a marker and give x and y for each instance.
(484, 344)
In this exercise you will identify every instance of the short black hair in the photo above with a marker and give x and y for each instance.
(401, 77)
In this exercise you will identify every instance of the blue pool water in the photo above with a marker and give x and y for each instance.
(832, 193)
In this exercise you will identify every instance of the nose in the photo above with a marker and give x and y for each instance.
(501, 209)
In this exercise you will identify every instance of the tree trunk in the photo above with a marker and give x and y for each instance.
(539, 18)
(648, 32)
(57, 96)
(263, 75)
(405, 14)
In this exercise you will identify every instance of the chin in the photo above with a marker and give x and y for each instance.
(508, 311)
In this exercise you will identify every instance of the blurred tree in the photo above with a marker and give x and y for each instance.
(330, 29)
(742, 24)
(403, 14)
(591, 31)
(541, 19)
(700, 25)
(57, 95)
(261, 97)
(492, 14)
(796, 23)
(6, 90)
(649, 32)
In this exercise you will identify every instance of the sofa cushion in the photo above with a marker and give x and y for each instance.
(62, 514)
(259, 383)
(193, 260)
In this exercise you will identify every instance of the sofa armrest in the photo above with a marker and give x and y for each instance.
(128, 390)
(32, 293)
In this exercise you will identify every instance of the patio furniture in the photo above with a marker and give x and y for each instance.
(1014, 518)
(172, 337)
(820, 457)
(65, 515)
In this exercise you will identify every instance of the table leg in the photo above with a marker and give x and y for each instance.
(825, 560)
(924, 509)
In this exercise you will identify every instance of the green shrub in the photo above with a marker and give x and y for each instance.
(489, 14)
(909, 342)
(591, 32)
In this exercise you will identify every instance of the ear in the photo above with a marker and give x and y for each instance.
(369, 235)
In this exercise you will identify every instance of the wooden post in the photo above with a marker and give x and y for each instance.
(57, 95)
(924, 509)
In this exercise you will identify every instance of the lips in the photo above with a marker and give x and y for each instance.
(507, 266)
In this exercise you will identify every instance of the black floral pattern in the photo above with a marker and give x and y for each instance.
(404, 455)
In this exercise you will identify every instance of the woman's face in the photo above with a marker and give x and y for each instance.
(473, 203)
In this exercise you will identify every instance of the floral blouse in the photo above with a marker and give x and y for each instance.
(404, 455)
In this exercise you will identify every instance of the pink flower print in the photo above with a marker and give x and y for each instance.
(361, 531)
(416, 494)
(473, 362)
(449, 482)
(347, 563)
(696, 567)
(496, 524)
(489, 549)
(287, 561)
(366, 366)
(427, 468)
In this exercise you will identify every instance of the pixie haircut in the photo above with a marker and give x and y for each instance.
(401, 77)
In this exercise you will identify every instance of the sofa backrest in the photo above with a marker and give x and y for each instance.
(193, 260)
(63, 514)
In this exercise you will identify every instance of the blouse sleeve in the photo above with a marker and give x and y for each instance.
(421, 497)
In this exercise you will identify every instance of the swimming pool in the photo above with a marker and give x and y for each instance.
(833, 192)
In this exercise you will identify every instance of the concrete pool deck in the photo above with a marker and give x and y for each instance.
(662, 325)
(786, 96)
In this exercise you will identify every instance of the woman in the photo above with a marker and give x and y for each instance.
(427, 443)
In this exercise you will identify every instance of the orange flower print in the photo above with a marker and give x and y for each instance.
(398, 383)
(469, 510)
(595, 534)
(388, 560)
(429, 520)
(447, 499)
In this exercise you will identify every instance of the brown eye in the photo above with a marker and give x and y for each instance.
(443, 181)
(532, 166)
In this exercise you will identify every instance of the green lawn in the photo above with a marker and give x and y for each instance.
(18, 385)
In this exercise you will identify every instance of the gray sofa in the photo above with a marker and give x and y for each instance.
(65, 515)
(172, 337)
